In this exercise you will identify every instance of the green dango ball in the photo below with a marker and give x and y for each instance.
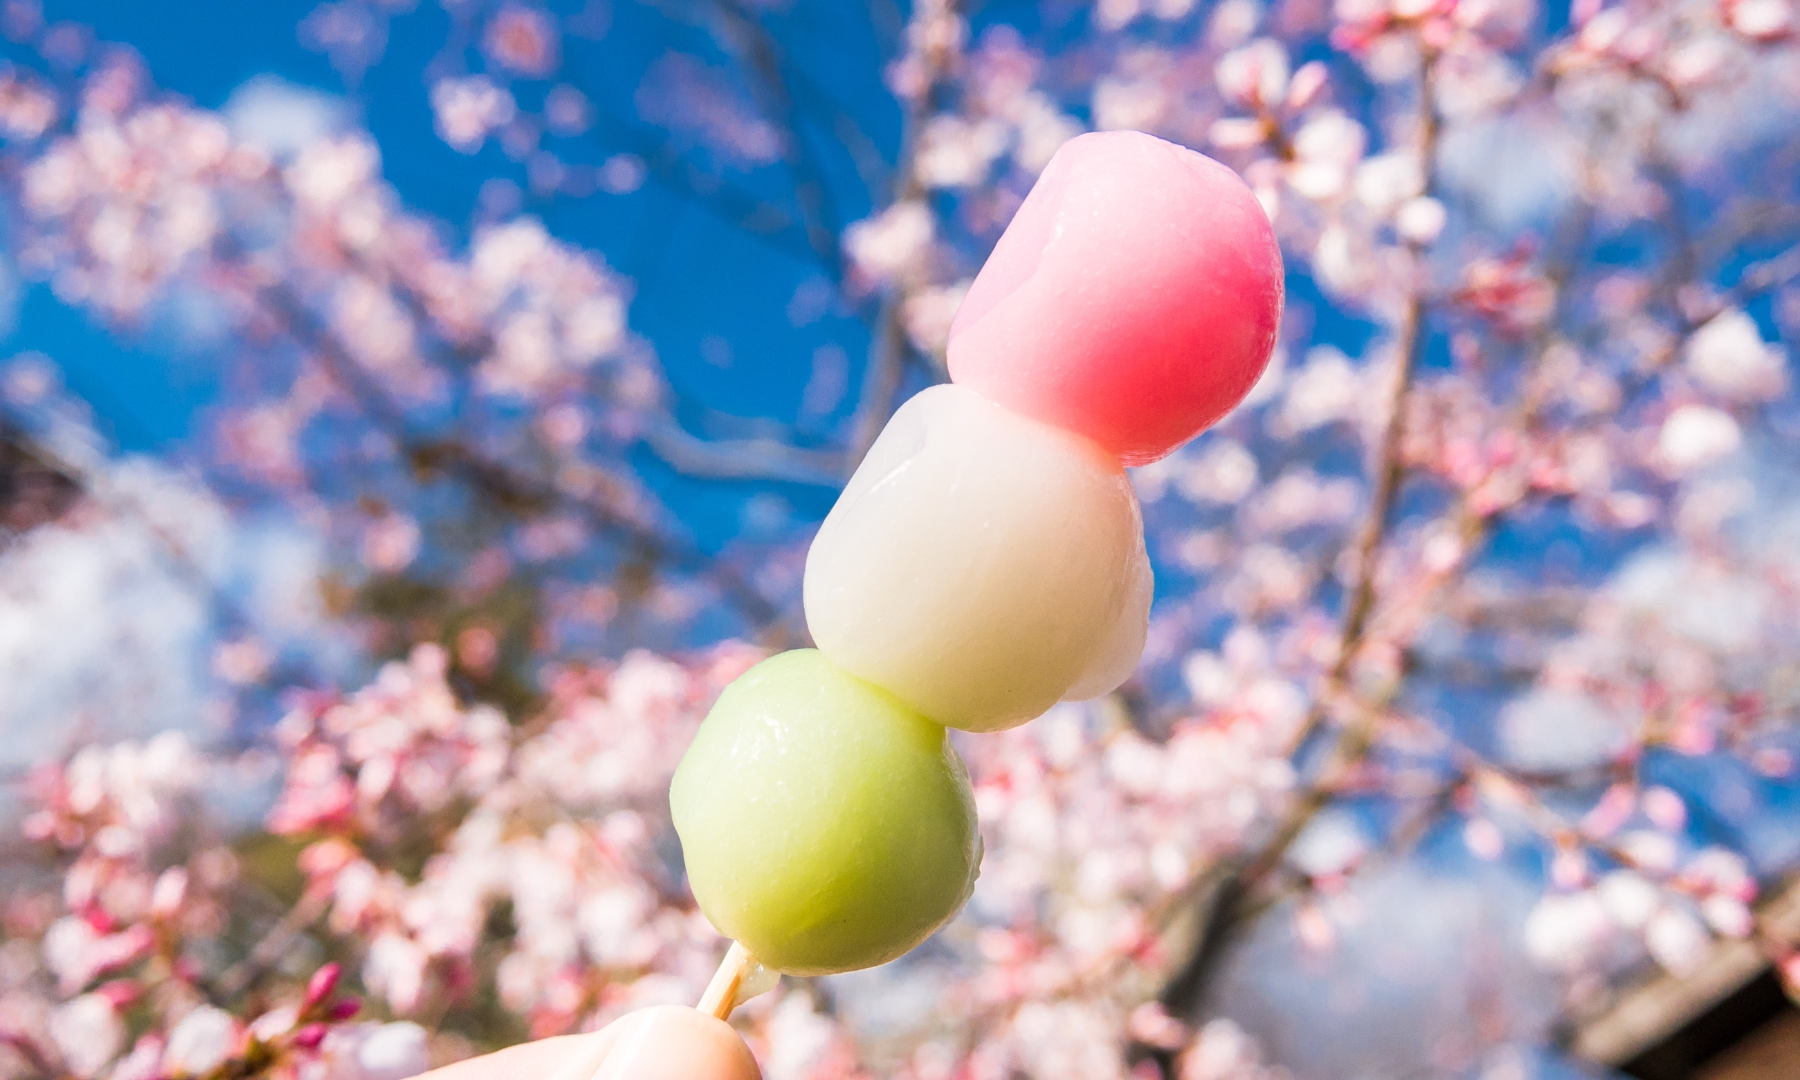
(826, 825)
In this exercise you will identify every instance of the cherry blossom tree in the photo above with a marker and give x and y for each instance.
(1474, 648)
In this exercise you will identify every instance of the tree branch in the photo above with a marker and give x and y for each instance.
(818, 214)
(890, 347)
(510, 488)
(1187, 989)
(743, 459)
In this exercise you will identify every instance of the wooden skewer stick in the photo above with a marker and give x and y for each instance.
(721, 993)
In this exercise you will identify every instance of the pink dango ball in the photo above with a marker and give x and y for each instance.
(1133, 299)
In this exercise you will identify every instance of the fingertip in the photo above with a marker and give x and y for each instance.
(564, 1057)
(666, 1042)
(674, 1042)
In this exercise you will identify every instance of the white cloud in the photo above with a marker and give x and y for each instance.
(95, 636)
(108, 621)
(1415, 949)
(281, 117)
(1552, 730)
(1519, 169)
(1716, 607)
(1696, 436)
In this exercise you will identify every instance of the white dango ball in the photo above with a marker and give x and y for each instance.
(981, 565)
(1119, 657)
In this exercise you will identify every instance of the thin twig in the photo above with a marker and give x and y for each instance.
(761, 54)
(267, 953)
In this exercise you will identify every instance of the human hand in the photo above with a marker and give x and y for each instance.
(667, 1042)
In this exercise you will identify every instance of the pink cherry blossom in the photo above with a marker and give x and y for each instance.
(521, 39)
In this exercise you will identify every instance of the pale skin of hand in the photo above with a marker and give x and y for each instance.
(668, 1042)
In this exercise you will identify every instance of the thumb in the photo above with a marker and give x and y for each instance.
(674, 1042)
(668, 1042)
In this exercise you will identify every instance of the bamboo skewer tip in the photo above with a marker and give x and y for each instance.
(721, 993)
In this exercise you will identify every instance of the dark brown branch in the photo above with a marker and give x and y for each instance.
(1240, 893)
(36, 487)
